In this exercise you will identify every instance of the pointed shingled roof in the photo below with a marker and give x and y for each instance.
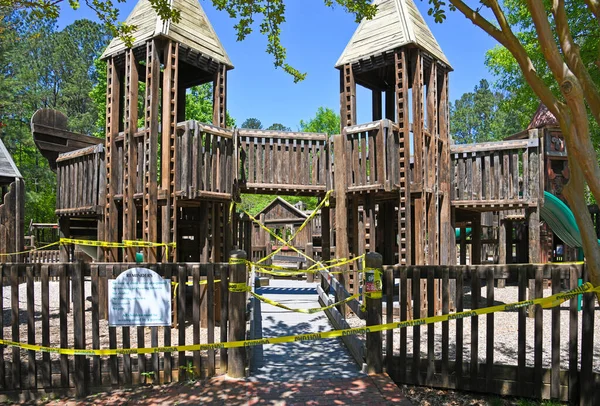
(8, 169)
(542, 118)
(194, 30)
(397, 23)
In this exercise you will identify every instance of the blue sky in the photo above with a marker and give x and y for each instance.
(315, 37)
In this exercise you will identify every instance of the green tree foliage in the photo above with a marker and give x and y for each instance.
(478, 116)
(252, 123)
(325, 121)
(269, 14)
(253, 204)
(278, 127)
(42, 67)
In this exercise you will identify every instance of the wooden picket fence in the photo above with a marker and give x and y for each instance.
(65, 305)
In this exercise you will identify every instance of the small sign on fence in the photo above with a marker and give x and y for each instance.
(139, 297)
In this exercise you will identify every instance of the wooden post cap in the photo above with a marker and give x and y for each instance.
(374, 260)
(238, 254)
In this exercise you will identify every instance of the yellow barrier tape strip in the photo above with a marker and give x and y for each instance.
(31, 250)
(325, 201)
(239, 287)
(547, 302)
(124, 244)
(305, 311)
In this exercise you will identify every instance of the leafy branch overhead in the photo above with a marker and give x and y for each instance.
(269, 14)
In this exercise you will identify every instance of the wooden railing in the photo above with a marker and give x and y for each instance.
(552, 356)
(371, 156)
(205, 166)
(44, 257)
(274, 160)
(81, 181)
(53, 312)
(496, 175)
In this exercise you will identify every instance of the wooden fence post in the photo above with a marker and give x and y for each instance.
(237, 313)
(310, 276)
(373, 288)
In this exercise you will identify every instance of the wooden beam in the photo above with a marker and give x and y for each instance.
(220, 97)
(419, 158)
(111, 220)
(341, 212)
(402, 119)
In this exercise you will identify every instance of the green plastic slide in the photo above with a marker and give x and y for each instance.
(561, 220)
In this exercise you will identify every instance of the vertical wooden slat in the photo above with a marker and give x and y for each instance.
(81, 371)
(403, 317)
(475, 295)
(168, 357)
(430, 327)
(182, 279)
(555, 352)
(196, 295)
(14, 305)
(522, 333)
(31, 364)
(416, 356)
(588, 388)
(224, 276)
(96, 371)
(489, 345)
(112, 340)
(46, 362)
(445, 324)
(459, 327)
(155, 357)
(573, 338)
(538, 335)
(64, 340)
(389, 316)
(210, 298)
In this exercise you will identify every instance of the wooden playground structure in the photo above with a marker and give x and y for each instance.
(171, 181)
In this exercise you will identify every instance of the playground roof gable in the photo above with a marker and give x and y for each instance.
(8, 169)
(194, 30)
(297, 213)
(396, 24)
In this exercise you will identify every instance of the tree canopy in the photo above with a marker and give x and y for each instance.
(479, 116)
(325, 121)
(252, 123)
(268, 14)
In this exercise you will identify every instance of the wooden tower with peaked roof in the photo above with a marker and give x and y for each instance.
(141, 161)
(396, 56)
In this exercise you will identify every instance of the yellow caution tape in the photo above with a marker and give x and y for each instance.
(546, 302)
(305, 311)
(124, 244)
(239, 287)
(28, 251)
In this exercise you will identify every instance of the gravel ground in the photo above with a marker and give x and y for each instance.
(505, 333)
(54, 298)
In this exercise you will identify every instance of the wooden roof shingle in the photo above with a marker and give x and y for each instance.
(396, 24)
(8, 169)
(194, 30)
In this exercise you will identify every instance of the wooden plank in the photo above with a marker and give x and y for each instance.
(96, 372)
(196, 295)
(31, 363)
(63, 310)
(182, 362)
(555, 345)
(416, 353)
(112, 339)
(573, 339)
(459, 330)
(81, 372)
(489, 345)
(389, 315)
(475, 295)
(168, 357)
(431, 298)
(445, 324)
(403, 317)
(46, 363)
(538, 333)
(522, 332)
(588, 389)
(492, 146)
(210, 299)
(224, 276)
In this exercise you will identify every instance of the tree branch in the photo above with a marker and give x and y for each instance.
(573, 58)
(507, 38)
(594, 6)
